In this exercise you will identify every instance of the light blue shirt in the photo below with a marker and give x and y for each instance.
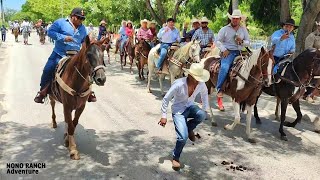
(181, 100)
(283, 47)
(62, 28)
(171, 36)
(122, 31)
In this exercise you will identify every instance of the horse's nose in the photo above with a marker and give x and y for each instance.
(100, 80)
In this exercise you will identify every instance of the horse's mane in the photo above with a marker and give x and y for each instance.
(247, 66)
(183, 52)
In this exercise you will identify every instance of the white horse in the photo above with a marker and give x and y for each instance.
(189, 51)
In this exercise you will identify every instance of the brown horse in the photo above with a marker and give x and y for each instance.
(142, 50)
(243, 83)
(15, 32)
(72, 87)
(42, 35)
(106, 46)
(129, 51)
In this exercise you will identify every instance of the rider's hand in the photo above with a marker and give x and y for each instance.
(284, 36)
(239, 40)
(68, 39)
(163, 122)
(225, 53)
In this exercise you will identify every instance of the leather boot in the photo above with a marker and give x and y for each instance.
(92, 97)
(42, 94)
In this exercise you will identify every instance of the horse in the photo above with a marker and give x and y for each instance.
(244, 83)
(129, 51)
(106, 46)
(297, 75)
(16, 33)
(72, 87)
(184, 55)
(42, 35)
(142, 50)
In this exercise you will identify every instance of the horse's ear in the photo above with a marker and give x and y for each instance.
(87, 41)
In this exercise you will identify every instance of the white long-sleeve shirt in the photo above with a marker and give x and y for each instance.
(181, 100)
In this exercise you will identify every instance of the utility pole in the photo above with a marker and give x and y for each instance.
(2, 12)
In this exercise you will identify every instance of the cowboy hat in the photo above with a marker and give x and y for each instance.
(153, 22)
(290, 22)
(204, 19)
(102, 22)
(197, 72)
(129, 22)
(144, 21)
(236, 14)
(194, 20)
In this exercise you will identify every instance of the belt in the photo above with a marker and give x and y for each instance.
(71, 52)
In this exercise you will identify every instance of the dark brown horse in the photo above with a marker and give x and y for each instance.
(142, 50)
(298, 75)
(106, 46)
(72, 87)
(129, 51)
(243, 83)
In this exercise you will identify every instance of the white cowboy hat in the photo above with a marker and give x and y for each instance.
(129, 22)
(204, 19)
(194, 20)
(236, 14)
(318, 23)
(197, 72)
(144, 21)
(102, 22)
(153, 22)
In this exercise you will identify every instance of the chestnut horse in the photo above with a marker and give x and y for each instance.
(106, 46)
(142, 50)
(15, 32)
(244, 83)
(73, 88)
(129, 51)
(298, 75)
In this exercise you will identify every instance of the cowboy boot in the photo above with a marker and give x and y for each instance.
(42, 94)
(220, 104)
(92, 97)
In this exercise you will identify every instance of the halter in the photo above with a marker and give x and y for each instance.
(180, 64)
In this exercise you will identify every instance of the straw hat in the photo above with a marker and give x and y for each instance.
(144, 21)
(153, 22)
(236, 14)
(194, 20)
(204, 19)
(197, 72)
(129, 22)
(102, 22)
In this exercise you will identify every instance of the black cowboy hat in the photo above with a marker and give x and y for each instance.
(290, 22)
(78, 12)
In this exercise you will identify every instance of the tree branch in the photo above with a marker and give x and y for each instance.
(153, 13)
(176, 8)
(161, 11)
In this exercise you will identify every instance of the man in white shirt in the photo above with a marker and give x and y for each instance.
(184, 91)
(25, 29)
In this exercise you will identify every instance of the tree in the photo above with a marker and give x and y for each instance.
(310, 12)
(284, 10)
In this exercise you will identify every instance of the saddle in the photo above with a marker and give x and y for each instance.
(58, 72)
(233, 72)
(165, 64)
(280, 69)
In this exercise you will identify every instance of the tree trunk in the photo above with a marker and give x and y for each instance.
(235, 4)
(153, 13)
(176, 9)
(284, 10)
(160, 8)
(308, 18)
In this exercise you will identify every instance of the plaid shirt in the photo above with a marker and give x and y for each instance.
(205, 38)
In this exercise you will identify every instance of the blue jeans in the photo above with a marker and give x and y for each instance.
(183, 127)
(163, 52)
(49, 68)
(123, 41)
(225, 66)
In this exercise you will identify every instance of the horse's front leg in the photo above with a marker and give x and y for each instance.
(277, 109)
(236, 108)
(213, 121)
(296, 107)
(77, 115)
(131, 64)
(53, 103)
(121, 59)
(161, 78)
(284, 105)
(248, 126)
(74, 154)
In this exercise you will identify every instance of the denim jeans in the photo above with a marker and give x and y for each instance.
(182, 126)
(123, 41)
(163, 52)
(49, 68)
(225, 66)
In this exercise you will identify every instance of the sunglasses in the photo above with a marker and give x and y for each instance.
(80, 18)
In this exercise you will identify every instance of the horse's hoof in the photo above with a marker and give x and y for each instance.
(288, 124)
(258, 121)
(54, 125)
(214, 124)
(284, 138)
(252, 140)
(74, 155)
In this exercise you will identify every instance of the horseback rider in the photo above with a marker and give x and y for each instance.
(102, 29)
(68, 34)
(283, 41)
(129, 33)
(16, 25)
(167, 35)
(231, 39)
(204, 34)
(144, 33)
(195, 26)
(183, 92)
(153, 29)
(25, 28)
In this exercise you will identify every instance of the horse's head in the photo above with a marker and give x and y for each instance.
(266, 64)
(95, 57)
(194, 51)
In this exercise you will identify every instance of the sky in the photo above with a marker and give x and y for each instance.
(13, 4)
